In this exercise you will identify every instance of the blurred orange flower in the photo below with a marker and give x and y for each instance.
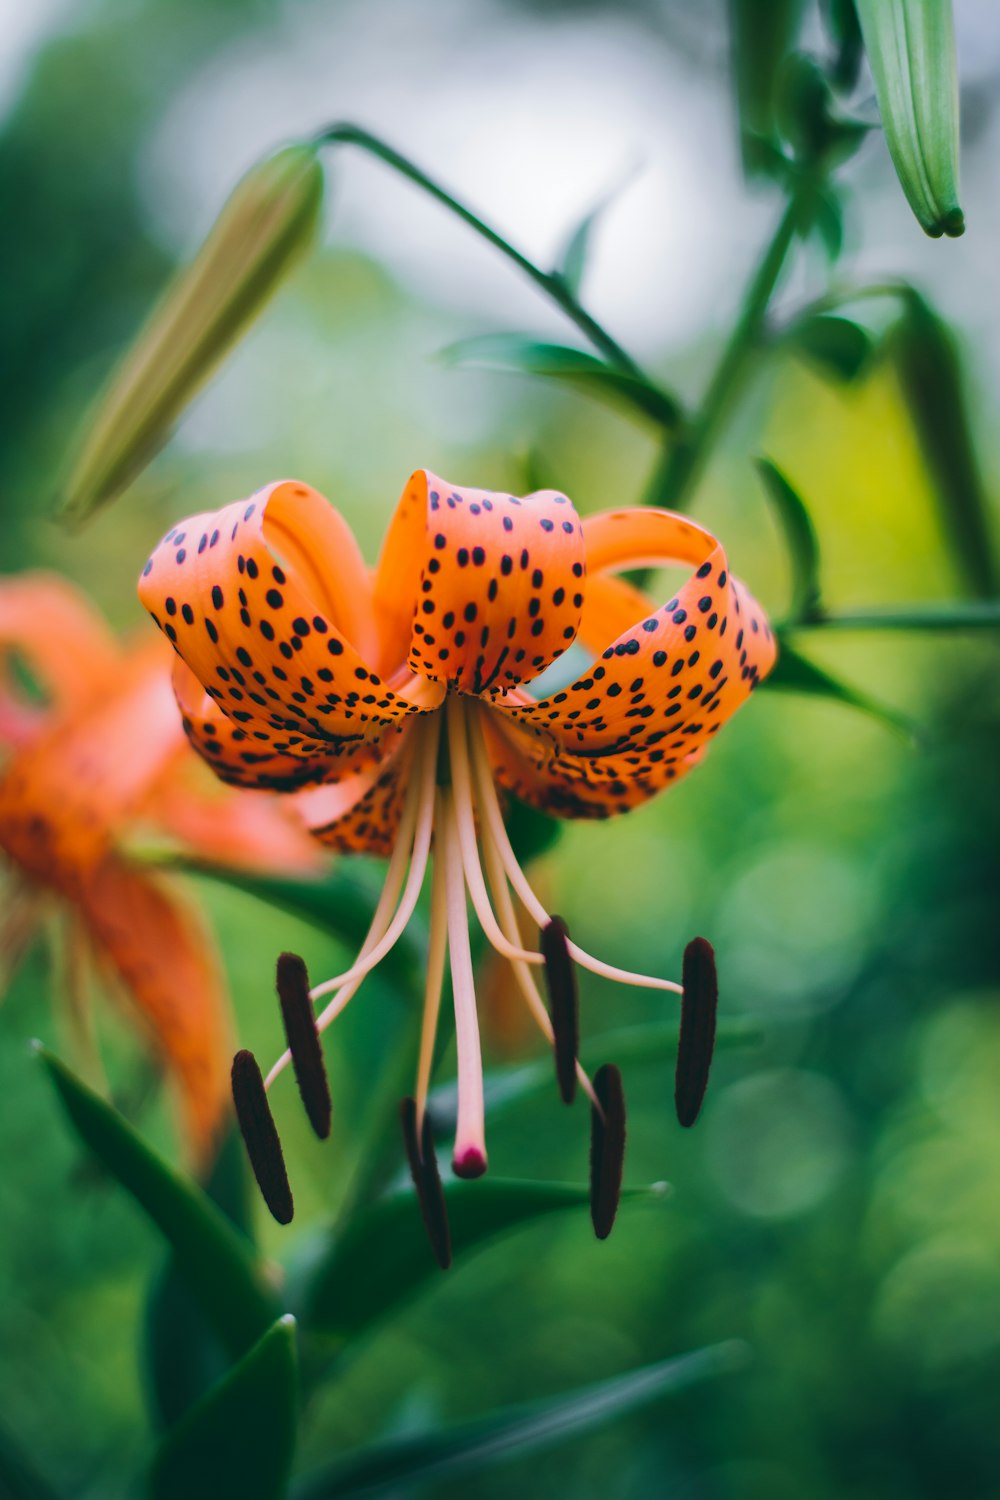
(93, 745)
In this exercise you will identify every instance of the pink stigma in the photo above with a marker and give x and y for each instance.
(469, 1163)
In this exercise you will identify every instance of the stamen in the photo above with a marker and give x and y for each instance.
(424, 780)
(422, 1158)
(461, 774)
(260, 1136)
(607, 1149)
(489, 805)
(697, 1038)
(469, 1157)
(436, 951)
(560, 980)
(387, 900)
(525, 978)
(303, 1042)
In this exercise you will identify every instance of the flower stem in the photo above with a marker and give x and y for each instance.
(551, 282)
(683, 462)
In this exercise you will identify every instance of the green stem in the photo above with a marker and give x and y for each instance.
(682, 465)
(551, 282)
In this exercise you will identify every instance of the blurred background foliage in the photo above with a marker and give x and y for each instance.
(835, 1207)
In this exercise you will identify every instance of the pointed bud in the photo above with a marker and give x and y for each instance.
(911, 48)
(424, 1170)
(607, 1149)
(260, 1136)
(697, 1039)
(560, 981)
(269, 220)
(303, 1041)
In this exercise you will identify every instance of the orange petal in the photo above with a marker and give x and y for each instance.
(264, 601)
(481, 590)
(243, 755)
(360, 815)
(63, 640)
(245, 829)
(64, 799)
(644, 712)
(165, 960)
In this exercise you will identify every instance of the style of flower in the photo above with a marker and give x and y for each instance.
(95, 747)
(397, 701)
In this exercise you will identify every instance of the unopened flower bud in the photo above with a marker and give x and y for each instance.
(269, 220)
(911, 49)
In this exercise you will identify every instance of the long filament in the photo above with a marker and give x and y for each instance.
(489, 806)
(461, 774)
(436, 953)
(469, 1157)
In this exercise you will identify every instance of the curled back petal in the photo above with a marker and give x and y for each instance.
(480, 590)
(646, 709)
(165, 961)
(266, 601)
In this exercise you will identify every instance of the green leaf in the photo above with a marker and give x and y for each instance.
(793, 673)
(572, 262)
(931, 378)
(382, 1258)
(842, 23)
(340, 903)
(184, 1356)
(514, 1431)
(960, 615)
(911, 48)
(216, 1261)
(268, 222)
(520, 354)
(239, 1441)
(19, 1479)
(841, 347)
(762, 36)
(800, 537)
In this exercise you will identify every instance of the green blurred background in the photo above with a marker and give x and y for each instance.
(837, 1205)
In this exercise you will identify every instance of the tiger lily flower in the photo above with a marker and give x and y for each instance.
(394, 703)
(95, 749)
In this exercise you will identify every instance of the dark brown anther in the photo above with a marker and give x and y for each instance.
(607, 1149)
(422, 1158)
(303, 1041)
(697, 1040)
(260, 1136)
(560, 981)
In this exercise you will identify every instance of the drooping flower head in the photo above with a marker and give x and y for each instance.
(93, 749)
(396, 705)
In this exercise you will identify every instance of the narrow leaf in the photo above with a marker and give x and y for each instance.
(511, 1433)
(520, 354)
(241, 1439)
(911, 48)
(572, 262)
(800, 537)
(931, 378)
(839, 346)
(762, 36)
(793, 673)
(215, 1260)
(954, 615)
(383, 1258)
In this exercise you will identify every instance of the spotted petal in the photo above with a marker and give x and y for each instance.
(480, 590)
(267, 602)
(647, 708)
